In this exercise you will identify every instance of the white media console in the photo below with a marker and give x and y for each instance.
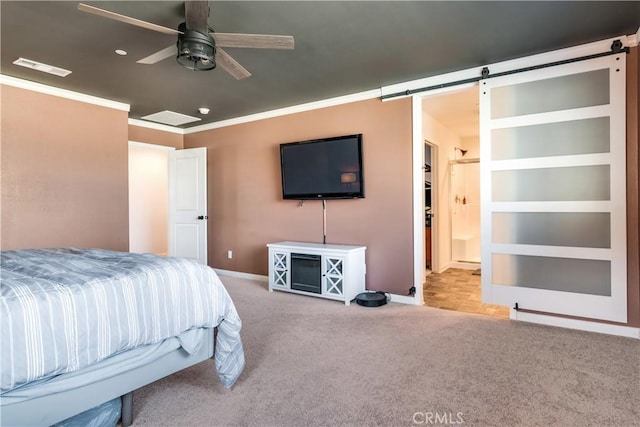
(327, 271)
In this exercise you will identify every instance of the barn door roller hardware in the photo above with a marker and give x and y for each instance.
(616, 48)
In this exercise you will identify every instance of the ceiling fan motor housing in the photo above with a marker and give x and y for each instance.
(196, 50)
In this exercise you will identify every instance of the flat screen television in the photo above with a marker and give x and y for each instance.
(328, 168)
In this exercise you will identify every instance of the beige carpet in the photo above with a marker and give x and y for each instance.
(315, 362)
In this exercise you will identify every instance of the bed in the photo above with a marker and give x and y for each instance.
(83, 328)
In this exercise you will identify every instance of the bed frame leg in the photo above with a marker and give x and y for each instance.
(127, 409)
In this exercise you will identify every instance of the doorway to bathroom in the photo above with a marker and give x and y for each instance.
(452, 274)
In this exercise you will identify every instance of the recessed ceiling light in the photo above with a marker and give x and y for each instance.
(203, 110)
(121, 52)
(39, 66)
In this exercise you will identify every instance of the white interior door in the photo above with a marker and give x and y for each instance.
(553, 189)
(188, 204)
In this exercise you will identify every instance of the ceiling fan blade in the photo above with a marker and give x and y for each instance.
(126, 19)
(160, 55)
(196, 14)
(257, 41)
(230, 65)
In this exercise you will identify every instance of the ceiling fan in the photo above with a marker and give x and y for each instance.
(199, 47)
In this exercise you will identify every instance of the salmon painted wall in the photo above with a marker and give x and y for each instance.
(64, 173)
(49, 195)
(246, 209)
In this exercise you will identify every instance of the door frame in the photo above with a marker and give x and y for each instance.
(437, 232)
(418, 199)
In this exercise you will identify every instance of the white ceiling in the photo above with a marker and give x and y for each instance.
(457, 110)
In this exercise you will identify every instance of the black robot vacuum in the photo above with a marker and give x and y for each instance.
(371, 299)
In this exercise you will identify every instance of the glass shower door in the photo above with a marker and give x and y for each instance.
(465, 210)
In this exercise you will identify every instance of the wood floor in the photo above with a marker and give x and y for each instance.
(459, 290)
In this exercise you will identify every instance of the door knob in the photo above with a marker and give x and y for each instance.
(203, 217)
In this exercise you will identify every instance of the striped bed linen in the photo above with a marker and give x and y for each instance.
(64, 309)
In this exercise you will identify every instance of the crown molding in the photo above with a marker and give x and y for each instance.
(629, 40)
(330, 102)
(148, 146)
(156, 126)
(62, 93)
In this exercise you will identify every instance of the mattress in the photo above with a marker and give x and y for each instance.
(65, 309)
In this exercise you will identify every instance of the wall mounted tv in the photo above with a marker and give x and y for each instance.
(328, 168)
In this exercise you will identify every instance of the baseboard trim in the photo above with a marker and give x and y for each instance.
(242, 275)
(464, 265)
(583, 325)
(402, 299)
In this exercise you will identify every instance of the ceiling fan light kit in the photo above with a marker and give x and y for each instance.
(196, 50)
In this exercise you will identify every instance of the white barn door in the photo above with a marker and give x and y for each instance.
(553, 189)
(188, 204)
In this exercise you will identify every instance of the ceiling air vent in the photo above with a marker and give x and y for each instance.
(170, 118)
(39, 66)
